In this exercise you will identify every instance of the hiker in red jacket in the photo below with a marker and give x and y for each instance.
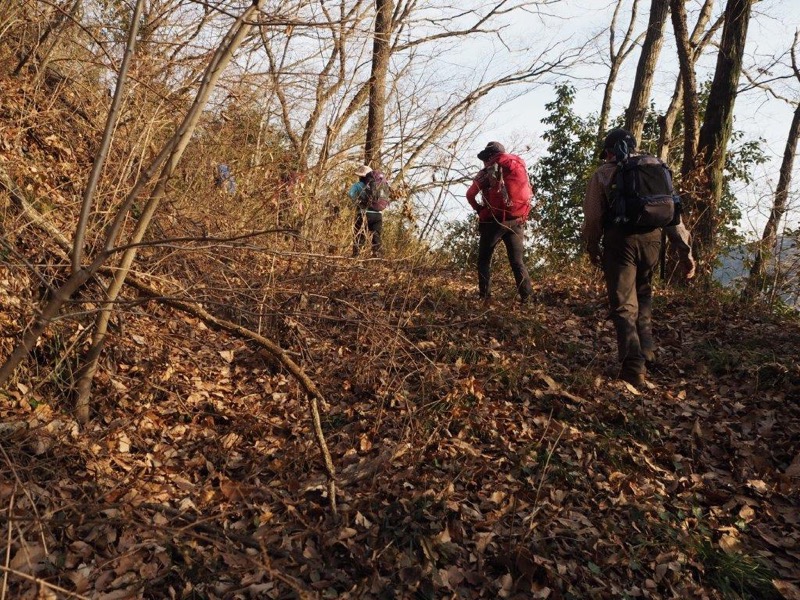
(506, 201)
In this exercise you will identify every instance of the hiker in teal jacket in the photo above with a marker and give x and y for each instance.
(369, 218)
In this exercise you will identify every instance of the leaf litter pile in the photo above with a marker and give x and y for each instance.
(480, 453)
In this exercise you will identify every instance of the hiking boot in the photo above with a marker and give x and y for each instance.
(649, 356)
(637, 380)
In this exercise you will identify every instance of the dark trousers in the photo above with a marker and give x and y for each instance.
(512, 233)
(372, 224)
(628, 265)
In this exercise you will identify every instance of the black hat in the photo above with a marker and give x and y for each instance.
(491, 149)
(616, 136)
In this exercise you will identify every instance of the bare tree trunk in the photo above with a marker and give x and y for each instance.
(605, 107)
(643, 83)
(381, 52)
(105, 144)
(171, 153)
(617, 56)
(666, 123)
(698, 41)
(770, 236)
(691, 104)
(717, 127)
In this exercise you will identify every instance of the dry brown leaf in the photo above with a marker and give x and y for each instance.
(121, 594)
(28, 558)
(362, 521)
(631, 389)
(787, 589)
(730, 543)
(123, 443)
(747, 513)
(498, 496)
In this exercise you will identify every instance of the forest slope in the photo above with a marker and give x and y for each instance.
(480, 453)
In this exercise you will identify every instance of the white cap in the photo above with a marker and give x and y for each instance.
(363, 170)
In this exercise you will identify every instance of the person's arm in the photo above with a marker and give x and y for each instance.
(592, 231)
(355, 190)
(472, 194)
(680, 237)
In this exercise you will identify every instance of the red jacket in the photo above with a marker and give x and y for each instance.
(518, 186)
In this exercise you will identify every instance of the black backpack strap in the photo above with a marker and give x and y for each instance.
(617, 214)
(667, 175)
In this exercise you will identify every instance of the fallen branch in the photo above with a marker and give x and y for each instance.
(43, 582)
(34, 215)
(269, 346)
(314, 395)
(556, 388)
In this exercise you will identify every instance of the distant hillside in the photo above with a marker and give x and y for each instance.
(734, 268)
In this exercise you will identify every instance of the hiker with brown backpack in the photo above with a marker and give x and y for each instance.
(371, 195)
(506, 202)
(629, 201)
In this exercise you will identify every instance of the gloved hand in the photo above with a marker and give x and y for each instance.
(595, 255)
(688, 266)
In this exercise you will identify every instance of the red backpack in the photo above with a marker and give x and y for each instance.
(506, 188)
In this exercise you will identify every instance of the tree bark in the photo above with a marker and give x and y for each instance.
(381, 52)
(691, 104)
(617, 56)
(645, 70)
(770, 236)
(698, 41)
(717, 127)
(666, 122)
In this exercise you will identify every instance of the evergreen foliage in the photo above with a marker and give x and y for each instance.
(560, 176)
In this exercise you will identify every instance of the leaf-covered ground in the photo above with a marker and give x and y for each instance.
(481, 453)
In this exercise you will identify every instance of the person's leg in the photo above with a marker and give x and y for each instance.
(649, 247)
(490, 236)
(359, 234)
(619, 267)
(514, 240)
(375, 222)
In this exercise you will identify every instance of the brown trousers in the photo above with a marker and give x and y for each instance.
(628, 264)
